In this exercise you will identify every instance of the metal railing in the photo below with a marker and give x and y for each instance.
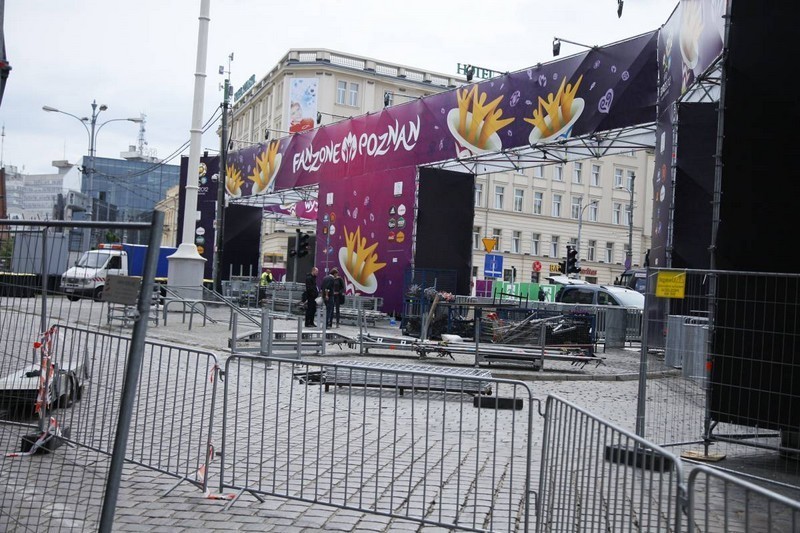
(429, 455)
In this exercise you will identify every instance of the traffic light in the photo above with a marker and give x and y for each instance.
(572, 260)
(303, 244)
(562, 267)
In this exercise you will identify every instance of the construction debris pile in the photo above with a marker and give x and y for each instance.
(558, 330)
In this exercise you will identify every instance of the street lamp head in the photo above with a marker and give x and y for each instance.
(103, 107)
(138, 120)
(50, 109)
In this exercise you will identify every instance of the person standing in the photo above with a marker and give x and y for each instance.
(327, 297)
(266, 279)
(310, 295)
(338, 293)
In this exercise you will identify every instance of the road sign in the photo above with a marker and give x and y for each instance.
(537, 266)
(493, 266)
(489, 244)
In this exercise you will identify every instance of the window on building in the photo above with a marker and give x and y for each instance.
(516, 238)
(497, 234)
(499, 192)
(535, 241)
(556, 211)
(538, 202)
(609, 252)
(591, 251)
(575, 207)
(629, 177)
(592, 211)
(616, 213)
(577, 168)
(474, 272)
(596, 175)
(353, 95)
(554, 246)
(519, 198)
(476, 238)
(538, 171)
(617, 177)
(558, 172)
(341, 92)
(478, 194)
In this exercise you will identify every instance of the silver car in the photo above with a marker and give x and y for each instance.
(600, 295)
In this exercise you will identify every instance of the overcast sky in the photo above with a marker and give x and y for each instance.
(139, 57)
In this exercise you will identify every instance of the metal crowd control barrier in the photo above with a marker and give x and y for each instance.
(436, 455)
(734, 336)
(170, 426)
(721, 502)
(598, 477)
(291, 343)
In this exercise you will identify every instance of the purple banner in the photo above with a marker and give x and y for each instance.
(205, 226)
(598, 90)
(364, 228)
(306, 210)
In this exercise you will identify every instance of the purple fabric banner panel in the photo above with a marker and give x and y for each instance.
(204, 231)
(364, 228)
(307, 209)
(611, 87)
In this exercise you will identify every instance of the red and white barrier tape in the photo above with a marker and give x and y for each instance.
(52, 431)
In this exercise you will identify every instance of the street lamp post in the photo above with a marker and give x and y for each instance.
(580, 225)
(629, 254)
(92, 129)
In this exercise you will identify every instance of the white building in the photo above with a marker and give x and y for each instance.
(533, 213)
(35, 196)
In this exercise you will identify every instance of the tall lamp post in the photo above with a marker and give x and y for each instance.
(92, 130)
(629, 254)
(580, 225)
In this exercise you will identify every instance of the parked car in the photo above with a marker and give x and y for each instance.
(600, 295)
(560, 279)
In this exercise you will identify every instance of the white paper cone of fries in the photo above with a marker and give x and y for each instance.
(369, 284)
(465, 148)
(538, 136)
(269, 180)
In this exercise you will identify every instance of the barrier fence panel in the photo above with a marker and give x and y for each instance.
(431, 447)
(721, 502)
(170, 426)
(63, 396)
(724, 392)
(598, 477)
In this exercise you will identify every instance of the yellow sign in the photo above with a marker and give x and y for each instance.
(671, 284)
(489, 244)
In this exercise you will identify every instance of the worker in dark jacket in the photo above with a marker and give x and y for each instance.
(310, 297)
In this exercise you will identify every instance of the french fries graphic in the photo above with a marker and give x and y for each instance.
(485, 118)
(233, 180)
(558, 107)
(361, 262)
(265, 168)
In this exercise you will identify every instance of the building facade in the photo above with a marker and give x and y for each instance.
(35, 196)
(531, 214)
